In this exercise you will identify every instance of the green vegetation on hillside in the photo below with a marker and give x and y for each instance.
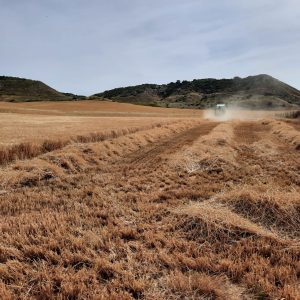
(261, 91)
(14, 89)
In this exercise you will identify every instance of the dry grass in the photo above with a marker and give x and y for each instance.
(19, 128)
(27, 150)
(194, 285)
(287, 132)
(268, 207)
(95, 108)
(123, 217)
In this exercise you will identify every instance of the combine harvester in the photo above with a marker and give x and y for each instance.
(220, 110)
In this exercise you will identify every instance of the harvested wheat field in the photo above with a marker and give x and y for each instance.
(151, 208)
(30, 129)
(93, 108)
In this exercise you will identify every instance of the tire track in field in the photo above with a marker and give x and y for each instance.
(152, 154)
(249, 132)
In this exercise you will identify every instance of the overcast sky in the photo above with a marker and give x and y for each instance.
(89, 46)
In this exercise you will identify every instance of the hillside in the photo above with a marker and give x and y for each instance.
(14, 89)
(261, 91)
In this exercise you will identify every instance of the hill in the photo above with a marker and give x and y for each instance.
(261, 91)
(14, 89)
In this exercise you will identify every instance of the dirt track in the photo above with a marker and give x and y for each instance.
(128, 218)
(171, 144)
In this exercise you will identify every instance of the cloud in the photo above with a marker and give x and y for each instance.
(89, 46)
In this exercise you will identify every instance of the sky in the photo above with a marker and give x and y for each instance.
(85, 47)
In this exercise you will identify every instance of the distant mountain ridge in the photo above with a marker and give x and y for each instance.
(15, 89)
(260, 91)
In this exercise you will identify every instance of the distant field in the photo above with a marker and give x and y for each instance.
(36, 121)
(16, 128)
(94, 108)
